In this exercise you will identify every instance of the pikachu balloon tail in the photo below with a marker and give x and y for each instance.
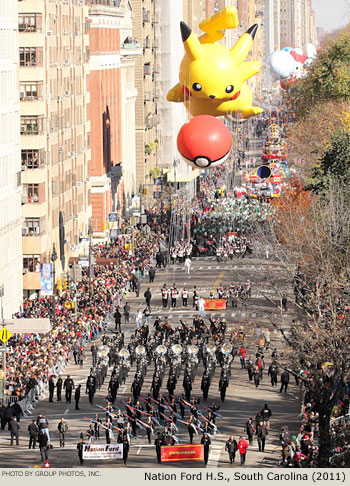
(213, 77)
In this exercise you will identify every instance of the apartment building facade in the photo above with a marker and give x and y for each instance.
(55, 131)
(297, 23)
(10, 164)
(147, 117)
(113, 54)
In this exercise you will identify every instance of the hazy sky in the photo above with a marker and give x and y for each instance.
(331, 14)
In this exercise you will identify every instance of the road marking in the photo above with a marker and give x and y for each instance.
(218, 280)
(138, 451)
(65, 413)
(214, 456)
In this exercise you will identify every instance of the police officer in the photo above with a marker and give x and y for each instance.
(59, 384)
(51, 389)
(77, 397)
(91, 388)
(62, 430)
(68, 385)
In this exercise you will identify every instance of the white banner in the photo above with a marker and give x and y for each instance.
(103, 451)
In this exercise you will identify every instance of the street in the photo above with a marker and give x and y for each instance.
(243, 400)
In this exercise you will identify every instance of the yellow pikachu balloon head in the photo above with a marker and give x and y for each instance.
(213, 77)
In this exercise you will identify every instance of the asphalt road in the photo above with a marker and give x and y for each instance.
(243, 400)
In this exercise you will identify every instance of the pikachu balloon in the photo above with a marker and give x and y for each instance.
(213, 77)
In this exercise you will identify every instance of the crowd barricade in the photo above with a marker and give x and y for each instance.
(28, 403)
(340, 420)
(12, 399)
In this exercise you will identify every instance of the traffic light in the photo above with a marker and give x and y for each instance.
(65, 283)
(59, 284)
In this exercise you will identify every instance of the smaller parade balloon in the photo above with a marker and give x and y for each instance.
(204, 142)
(264, 172)
(282, 65)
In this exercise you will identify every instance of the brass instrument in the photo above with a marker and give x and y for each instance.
(140, 350)
(226, 349)
(161, 350)
(124, 353)
(176, 349)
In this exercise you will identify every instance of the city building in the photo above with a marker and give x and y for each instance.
(286, 30)
(146, 74)
(297, 23)
(55, 132)
(277, 24)
(113, 54)
(10, 164)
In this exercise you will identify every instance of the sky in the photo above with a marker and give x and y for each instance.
(331, 14)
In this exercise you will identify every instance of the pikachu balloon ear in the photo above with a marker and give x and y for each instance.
(191, 43)
(242, 47)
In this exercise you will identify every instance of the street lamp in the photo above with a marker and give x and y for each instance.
(53, 259)
(90, 233)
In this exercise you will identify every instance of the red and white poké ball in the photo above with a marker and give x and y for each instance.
(204, 142)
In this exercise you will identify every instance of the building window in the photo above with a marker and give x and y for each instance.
(31, 227)
(31, 263)
(32, 159)
(30, 193)
(29, 22)
(31, 125)
(146, 15)
(31, 91)
(18, 179)
(30, 56)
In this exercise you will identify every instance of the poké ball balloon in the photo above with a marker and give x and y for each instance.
(204, 142)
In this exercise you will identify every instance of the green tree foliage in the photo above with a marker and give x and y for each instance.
(334, 164)
(328, 78)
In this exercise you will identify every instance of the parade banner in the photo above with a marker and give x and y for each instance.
(103, 451)
(215, 304)
(46, 284)
(186, 452)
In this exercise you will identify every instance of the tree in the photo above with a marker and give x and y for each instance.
(312, 240)
(334, 163)
(328, 78)
(310, 136)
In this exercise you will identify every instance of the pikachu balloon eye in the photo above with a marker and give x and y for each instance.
(216, 69)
